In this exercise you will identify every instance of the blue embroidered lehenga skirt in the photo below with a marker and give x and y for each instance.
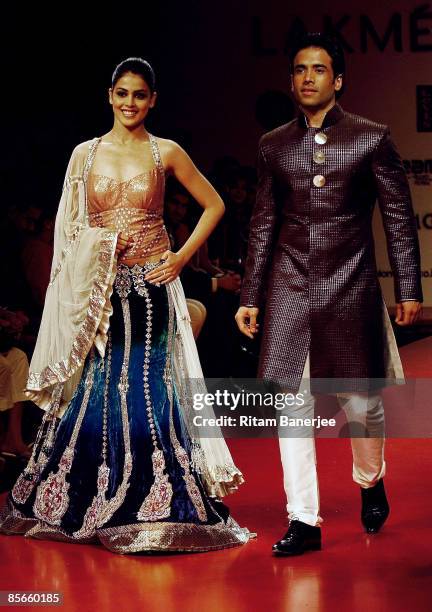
(118, 467)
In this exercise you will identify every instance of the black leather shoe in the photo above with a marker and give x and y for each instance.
(298, 538)
(375, 508)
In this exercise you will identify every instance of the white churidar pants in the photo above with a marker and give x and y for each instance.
(362, 410)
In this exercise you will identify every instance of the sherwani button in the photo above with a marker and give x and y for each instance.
(320, 138)
(319, 157)
(319, 180)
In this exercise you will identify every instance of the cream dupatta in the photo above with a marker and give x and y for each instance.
(76, 317)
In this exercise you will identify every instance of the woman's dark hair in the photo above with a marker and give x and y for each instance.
(324, 41)
(136, 65)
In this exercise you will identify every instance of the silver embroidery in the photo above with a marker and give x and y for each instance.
(52, 499)
(123, 283)
(88, 164)
(93, 511)
(166, 536)
(111, 506)
(158, 161)
(138, 273)
(90, 157)
(157, 504)
(31, 474)
(180, 452)
(156, 154)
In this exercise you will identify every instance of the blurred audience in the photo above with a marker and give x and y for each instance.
(214, 281)
(36, 258)
(18, 226)
(14, 367)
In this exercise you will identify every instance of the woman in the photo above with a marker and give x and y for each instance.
(115, 353)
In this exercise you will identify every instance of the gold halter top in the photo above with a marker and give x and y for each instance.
(134, 207)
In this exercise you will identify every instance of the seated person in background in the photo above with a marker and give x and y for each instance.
(13, 377)
(200, 276)
(229, 242)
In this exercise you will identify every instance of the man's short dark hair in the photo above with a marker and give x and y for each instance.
(324, 41)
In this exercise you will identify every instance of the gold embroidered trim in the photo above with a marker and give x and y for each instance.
(63, 370)
(12, 521)
(90, 157)
(156, 154)
(158, 536)
(157, 504)
(109, 507)
(93, 511)
(167, 536)
(42, 531)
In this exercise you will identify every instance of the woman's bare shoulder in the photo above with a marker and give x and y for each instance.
(172, 153)
(169, 147)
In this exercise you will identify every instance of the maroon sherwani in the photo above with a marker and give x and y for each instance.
(311, 246)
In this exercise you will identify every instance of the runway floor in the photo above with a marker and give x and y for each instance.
(390, 571)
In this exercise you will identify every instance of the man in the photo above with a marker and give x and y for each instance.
(311, 236)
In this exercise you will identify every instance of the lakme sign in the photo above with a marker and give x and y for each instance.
(403, 32)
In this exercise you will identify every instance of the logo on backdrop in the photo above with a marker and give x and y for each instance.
(419, 171)
(424, 108)
(417, 24)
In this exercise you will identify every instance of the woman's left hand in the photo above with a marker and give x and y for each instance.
(168, 271)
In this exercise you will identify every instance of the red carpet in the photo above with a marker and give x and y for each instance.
(390, 571)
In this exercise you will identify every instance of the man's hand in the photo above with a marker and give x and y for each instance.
(246, 321)
(407, 312)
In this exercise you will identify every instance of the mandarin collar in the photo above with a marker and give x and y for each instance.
(332, 116)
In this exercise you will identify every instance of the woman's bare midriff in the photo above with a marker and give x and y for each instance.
(141, 261)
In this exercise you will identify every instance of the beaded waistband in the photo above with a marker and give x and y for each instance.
(126, 277)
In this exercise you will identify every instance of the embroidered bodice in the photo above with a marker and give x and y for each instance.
(134, 207)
